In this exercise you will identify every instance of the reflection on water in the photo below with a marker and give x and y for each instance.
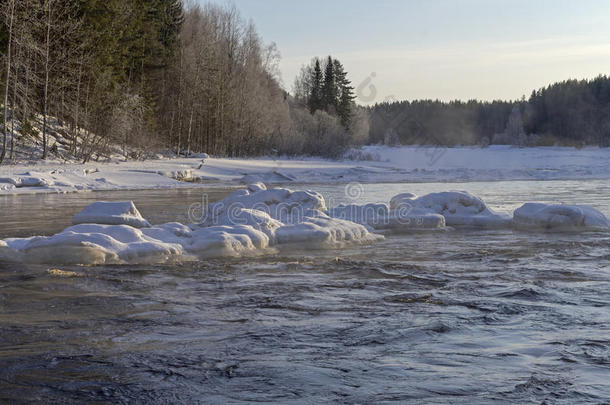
(457, 317)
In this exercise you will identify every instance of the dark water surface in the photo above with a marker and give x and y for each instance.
(458, 317)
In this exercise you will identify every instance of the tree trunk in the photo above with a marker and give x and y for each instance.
(188, 141)
(8, 74)
(77, 109)
(13, 112)
(45, 100)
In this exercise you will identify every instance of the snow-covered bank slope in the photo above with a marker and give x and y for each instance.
(402, 164)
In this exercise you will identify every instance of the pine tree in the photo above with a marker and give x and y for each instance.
(329, 89)
(315, 101)
(345, 94)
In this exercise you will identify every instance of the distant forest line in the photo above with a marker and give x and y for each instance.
(155, 75)
(572, 112)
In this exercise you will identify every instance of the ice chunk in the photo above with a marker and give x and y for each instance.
(259, 220)
(213, 241)
(109, 244)
(111, 213)
(323, 231)
(559, 217)
(95, 244)
(223, 241)
(461, 209)
(281, 204)
(402, 200)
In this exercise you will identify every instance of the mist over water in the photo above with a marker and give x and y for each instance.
(467, 316)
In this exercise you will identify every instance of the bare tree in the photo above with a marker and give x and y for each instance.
(10, 16)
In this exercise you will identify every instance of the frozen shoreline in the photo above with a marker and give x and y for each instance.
(383, 164)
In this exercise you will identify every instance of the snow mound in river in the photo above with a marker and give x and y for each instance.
(94, 244)
(318, 230)
(243, 224)
(286, 217)
(111, 213)
(460, 209)
(408, 212)
(559, 217)
(257, 220)
(281, 204)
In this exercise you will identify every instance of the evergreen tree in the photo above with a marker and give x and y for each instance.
(345, 94)
(329, 89)
(315, 101)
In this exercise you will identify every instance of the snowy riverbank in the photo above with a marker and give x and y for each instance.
(381, 164)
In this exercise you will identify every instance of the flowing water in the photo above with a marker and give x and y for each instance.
(467, 316)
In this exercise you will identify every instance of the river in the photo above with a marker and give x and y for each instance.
(468, 316)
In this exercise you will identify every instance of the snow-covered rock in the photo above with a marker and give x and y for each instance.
(282, 204)
(180, 175)
(319, 230)
(210, 242)
(402, 200)
(259, 220)
(461, 209)
(559, 217)
(245, 224)
(27, 181)
(94, 244)
(111, 213)
(111, 244)
(226, 241)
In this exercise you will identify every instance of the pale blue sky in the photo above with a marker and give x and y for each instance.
(446, 49)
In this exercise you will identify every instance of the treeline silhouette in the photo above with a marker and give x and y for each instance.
(572, 112)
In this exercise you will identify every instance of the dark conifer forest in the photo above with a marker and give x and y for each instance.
(572, 113)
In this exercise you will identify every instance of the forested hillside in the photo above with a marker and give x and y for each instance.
(156, 75)
(95, 65)
(572, 112)
(151, 75)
